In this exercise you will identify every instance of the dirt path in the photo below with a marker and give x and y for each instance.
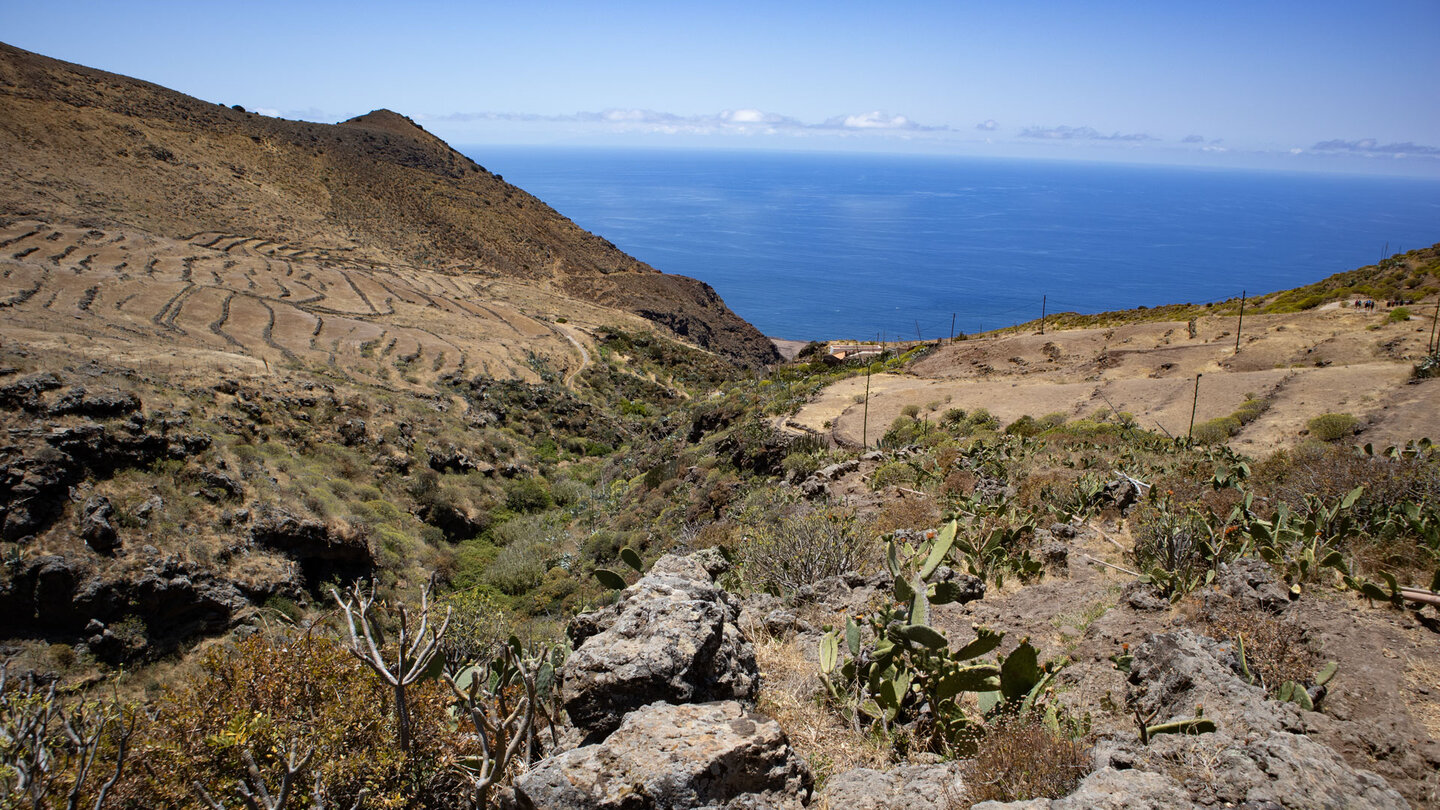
(564, 331)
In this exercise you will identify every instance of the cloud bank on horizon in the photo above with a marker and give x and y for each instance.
(1260, 84)
(743, 121)
(879, 125)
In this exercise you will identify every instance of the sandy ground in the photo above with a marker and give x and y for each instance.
(1324, 361)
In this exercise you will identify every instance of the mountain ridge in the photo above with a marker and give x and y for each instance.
(91, 147)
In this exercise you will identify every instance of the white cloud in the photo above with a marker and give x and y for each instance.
(1373, 148)
(1064, 133)
(745, 121)
(876, 120)
(744, 116)
(988, 125)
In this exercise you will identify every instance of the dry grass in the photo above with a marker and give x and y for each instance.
(1022, 759)
(790, 692)
(906, 512)
(1275, 649)
(1424, 674)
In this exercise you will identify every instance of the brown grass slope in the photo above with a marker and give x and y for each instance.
(90, 148)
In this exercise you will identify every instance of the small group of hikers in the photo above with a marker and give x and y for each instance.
(1368, 304)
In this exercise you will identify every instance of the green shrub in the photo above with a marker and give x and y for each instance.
(1216, 431)
(801, 465)
(1398, 314)
(1250, 410)
(1329, 427)
(569, 492)
(911, 411)
(1025, 427)
(467, 567)
(982, 419)
(1052, 420)
(1175, 551)
(905, 431)
(521, 565)
(895, 473)
(528, 495)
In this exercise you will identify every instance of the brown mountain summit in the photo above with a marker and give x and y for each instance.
(104, 166)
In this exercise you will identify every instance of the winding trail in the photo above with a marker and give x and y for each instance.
(584, 354)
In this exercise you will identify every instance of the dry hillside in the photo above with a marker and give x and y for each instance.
(162, 177)
(1328, 359)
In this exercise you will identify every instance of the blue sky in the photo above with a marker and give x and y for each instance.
(1305, 85)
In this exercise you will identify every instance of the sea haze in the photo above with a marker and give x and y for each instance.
(813, 246)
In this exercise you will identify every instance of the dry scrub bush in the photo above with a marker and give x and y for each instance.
(1329, 471)
(912, 512)
(788, 544)
(1275, 649)
(267, 691)
(1021, 758)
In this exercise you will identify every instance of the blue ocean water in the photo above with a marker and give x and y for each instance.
(812, 246)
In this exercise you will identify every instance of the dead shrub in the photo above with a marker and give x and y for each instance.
(1021, 759)
(910, 512)
(1275, 649)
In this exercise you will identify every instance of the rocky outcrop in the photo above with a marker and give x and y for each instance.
(36, 475)
(103, 404)
(705, 755)
(95, 527)
(906, 787)
(25, 393)
(671, 637)
(1249, 584)
(1111, 789)
(172, 600)
(322, 553)
(1258, 757)
(660, 683)
(1258, 754)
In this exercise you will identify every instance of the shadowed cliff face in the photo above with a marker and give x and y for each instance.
(97, 149)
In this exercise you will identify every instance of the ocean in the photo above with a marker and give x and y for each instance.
(821, 246)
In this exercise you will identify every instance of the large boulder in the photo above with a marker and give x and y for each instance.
(699, 755)
(907, 787)
(671, 637)
(96, 528)
(1258, 753)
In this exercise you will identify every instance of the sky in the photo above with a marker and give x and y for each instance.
(1316, 85)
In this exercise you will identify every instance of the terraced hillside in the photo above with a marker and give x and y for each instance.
(234, 300)
(1328, 358)
(374, 197)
